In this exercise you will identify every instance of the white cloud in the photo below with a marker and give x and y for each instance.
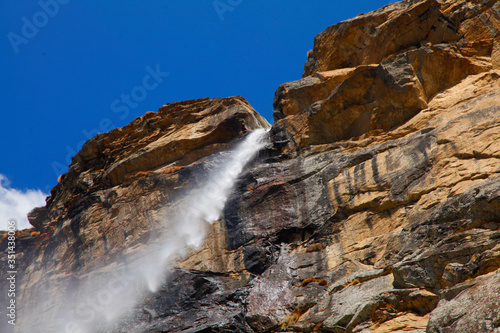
(16, 204)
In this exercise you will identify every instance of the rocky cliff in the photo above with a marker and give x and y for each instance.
(376, 208)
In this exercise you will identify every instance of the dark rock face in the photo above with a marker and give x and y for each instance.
(191, 301)
(375, 209)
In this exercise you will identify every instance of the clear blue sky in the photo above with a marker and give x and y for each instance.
(64, 70)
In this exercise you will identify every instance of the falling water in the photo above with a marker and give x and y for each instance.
(106, 298)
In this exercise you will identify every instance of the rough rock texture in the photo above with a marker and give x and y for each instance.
(114, 195)
(372, 97)
(371, 38)
(376, 209)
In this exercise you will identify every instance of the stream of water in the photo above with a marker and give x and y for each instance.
(102, 300)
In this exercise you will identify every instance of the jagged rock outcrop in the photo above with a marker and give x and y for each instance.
(376, 209)
(371, 38)
(111, 201)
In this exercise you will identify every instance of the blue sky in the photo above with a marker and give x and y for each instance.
(68, 66)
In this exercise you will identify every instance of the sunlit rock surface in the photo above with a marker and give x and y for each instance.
(376, 209)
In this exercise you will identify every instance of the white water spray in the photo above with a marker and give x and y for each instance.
(106, 298)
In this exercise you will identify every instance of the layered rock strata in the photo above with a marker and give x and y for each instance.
(376, 209)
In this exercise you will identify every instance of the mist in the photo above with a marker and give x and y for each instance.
(103, 299)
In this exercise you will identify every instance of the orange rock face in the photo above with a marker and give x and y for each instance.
(363, 77)
(371, 38)
(376, 208)
(162, 142)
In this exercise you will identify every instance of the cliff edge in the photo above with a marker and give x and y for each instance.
(375, 209)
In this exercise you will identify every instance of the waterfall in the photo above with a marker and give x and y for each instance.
(104, 299)
(203, 204)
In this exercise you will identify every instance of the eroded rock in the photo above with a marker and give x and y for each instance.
(376, 209)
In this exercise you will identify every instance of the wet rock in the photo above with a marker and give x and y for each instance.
(376, 209)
